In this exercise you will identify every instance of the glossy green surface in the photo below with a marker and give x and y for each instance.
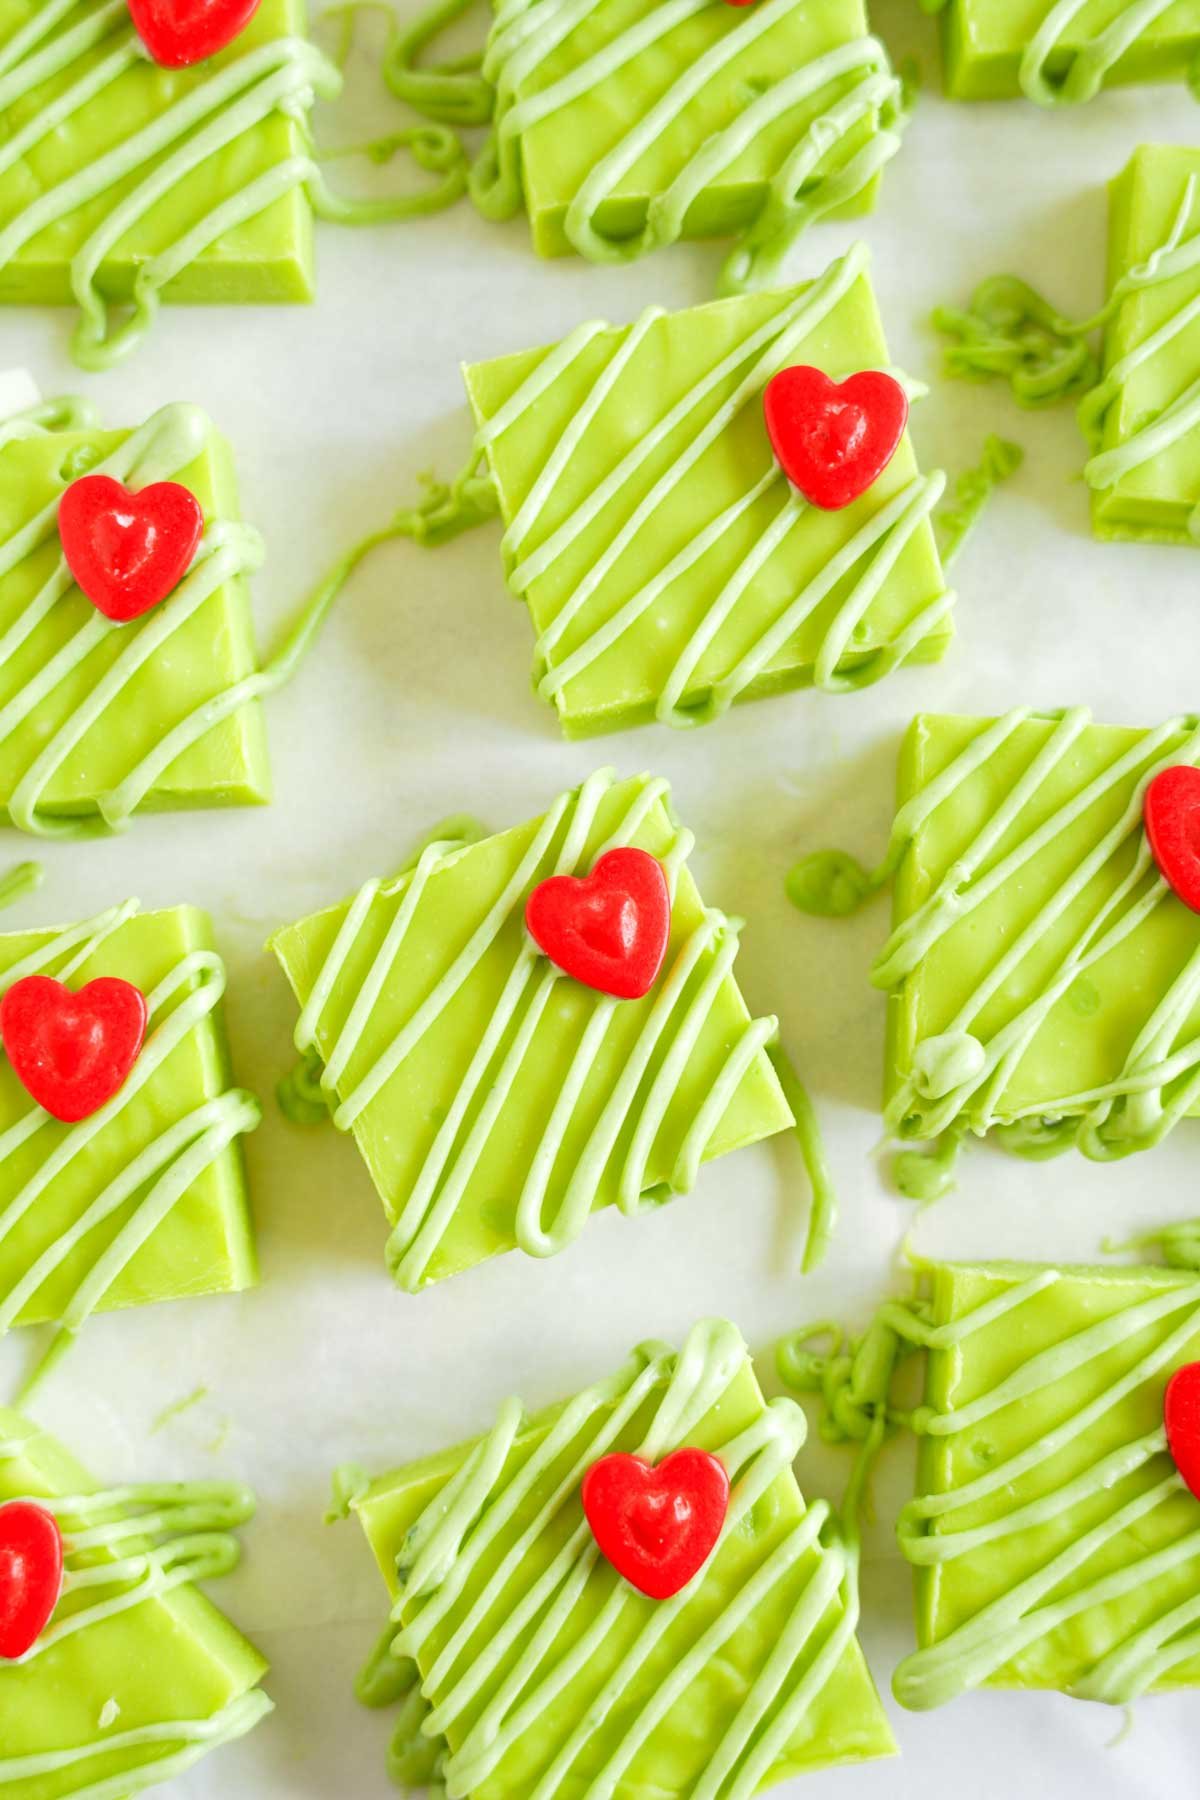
(621, 686)
(559, 151)
(172, 1657)
(983, 40)
(396, 1130)
(846, 1724)
(1155, 500)
(270, 258)
(205, 1244)
(1089, 1032)
(953, 1592)
(206, 655)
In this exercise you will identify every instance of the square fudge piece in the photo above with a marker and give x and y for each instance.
(97, 718)
(91, 128)
(1051, 52)
(1056, 1544)
(1144, 419)
(1042, 976)
(497, 1102)
(146, 1199)
(136, 1676)
(542, 1671)
(668, 566)
(623, 130)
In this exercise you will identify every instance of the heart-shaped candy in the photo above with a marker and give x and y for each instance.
(832, 439)
(72, 1052)
(657, 1526)
(1172, 815)
(178, 33)
(128, 551)
(31, 1575)
(608, 929)
(1181, 1416)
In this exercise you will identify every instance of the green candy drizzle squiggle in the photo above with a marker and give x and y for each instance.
(823, 1215)
(125, 1547)
(1009, 330)
(285, 77)
(973, 489)
(454, 1547)
(856, 1383)
(386, 1681)
(162, 1173)
(959, 1077)
(1178, 1244)
(857, 77)
(672, 1024)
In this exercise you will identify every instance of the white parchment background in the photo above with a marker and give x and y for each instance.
(418, 704)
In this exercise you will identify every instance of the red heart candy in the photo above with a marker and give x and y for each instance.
(72, 1052)
(657, 1526)
(832, 439)
(608, 929)
(31, 1575)
(178, 33)
(1181, 1416)
(1172, 816)
(128, 551)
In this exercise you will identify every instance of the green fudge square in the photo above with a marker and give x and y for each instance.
(1040, 974)
(988, 47)
(1055, 1543)
(610, 117)
(146, 1687)
(496, 1104)
(60, 114)
(1150, 489)
(540, 1668)
(61, 658)
(668, 567)
(85, 1225)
